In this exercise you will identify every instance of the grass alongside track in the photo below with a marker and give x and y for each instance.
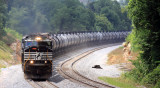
(5, 54)
(120, 82)
(6, 57)
(116, 57)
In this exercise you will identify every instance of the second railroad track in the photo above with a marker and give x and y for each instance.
(68, 70)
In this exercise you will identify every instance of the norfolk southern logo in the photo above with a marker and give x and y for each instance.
(39, 56)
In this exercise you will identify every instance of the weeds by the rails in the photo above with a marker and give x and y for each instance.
(121, 82)
(116, 57)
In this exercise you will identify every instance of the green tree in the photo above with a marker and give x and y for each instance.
(25, 21)
(3, 17)
(50, 15)
(145, 16)
(111, 10)
(102, 23)
(73, 17)
(49, 8)
(25, 18)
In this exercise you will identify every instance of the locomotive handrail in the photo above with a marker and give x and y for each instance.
(27, 60)
(48, 57)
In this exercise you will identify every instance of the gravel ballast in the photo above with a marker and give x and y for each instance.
(86, 64)
(12, 77)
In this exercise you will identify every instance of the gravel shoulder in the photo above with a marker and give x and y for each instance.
(12, 77)
(84, 66)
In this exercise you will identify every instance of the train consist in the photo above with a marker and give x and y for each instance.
(38, 50)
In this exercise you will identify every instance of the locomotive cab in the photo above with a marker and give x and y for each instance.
(37, 57)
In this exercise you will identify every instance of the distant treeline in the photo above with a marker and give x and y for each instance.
(32, 16)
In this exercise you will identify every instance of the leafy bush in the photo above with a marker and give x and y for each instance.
(137, 38)
(138, 72)
(11, 36)
(133, 40)
(13, 33)
(145, 37)
(157, 84)
(153, 77)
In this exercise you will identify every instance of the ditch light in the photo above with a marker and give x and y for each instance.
(31, 61)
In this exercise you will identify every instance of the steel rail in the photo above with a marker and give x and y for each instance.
(34, 84)
(42, 84)
(88, 82)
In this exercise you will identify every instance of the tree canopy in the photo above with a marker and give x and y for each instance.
(3, 16)
(145, 16)
(112, 11)
(65, 15)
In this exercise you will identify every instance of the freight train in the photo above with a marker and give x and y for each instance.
(38, 50)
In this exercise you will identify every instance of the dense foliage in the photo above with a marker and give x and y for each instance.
(112, 11)
(7, 35)
(145, 15)
(49, 16)
(32, 16)
(102, 23)
(3, 17)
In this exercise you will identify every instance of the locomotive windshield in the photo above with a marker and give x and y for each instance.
(38, 44)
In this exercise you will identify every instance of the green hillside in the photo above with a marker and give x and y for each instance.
(6, 57)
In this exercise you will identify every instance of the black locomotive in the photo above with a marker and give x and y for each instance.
(38, 49)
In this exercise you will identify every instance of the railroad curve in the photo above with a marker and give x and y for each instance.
(68, 70)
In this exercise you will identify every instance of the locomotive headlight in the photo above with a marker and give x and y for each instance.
(38, 38)
(31, 61)
(45, 62)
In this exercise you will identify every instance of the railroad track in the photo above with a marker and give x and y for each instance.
(45, 84)
(71, 73)
(41, 84)
(67, 70)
